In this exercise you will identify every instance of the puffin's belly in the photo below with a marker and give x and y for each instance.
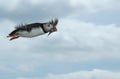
(32, 33)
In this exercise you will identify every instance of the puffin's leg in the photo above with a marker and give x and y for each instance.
(14, 37)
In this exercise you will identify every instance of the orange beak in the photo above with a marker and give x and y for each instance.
(54, 28)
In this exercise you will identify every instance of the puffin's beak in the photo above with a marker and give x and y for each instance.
(54, 24)
(54, 29)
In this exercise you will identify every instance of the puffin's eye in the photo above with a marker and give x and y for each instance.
(48, 25)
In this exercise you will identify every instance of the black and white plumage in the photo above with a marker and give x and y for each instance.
(34, 29)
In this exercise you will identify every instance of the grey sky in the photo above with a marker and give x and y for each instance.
(88, 34)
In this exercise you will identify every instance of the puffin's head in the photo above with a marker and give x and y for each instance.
(53, 24)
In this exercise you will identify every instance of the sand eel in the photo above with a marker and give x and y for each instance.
(34, 29)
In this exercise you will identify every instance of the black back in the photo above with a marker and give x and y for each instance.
(27, 27)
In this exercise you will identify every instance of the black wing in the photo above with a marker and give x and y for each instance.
(26, 27)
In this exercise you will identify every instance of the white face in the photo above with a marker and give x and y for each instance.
(48, 26)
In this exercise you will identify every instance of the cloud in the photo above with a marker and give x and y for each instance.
(18, 11)
(94, 6)
(5, 68)
(94, 74)
(41, 11)
(9, 6)
(24, 68)
(87, 4)
(78, 39)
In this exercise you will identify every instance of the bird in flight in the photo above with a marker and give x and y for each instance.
(33, 29)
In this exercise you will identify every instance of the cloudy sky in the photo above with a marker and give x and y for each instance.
(86, 46)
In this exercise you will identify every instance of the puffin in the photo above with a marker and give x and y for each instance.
(33, 29)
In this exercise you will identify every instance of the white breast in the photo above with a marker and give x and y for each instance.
(34, 32)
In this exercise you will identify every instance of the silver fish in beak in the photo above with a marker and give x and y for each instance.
(51, 31)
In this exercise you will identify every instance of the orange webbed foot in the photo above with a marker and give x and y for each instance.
(13, 37)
